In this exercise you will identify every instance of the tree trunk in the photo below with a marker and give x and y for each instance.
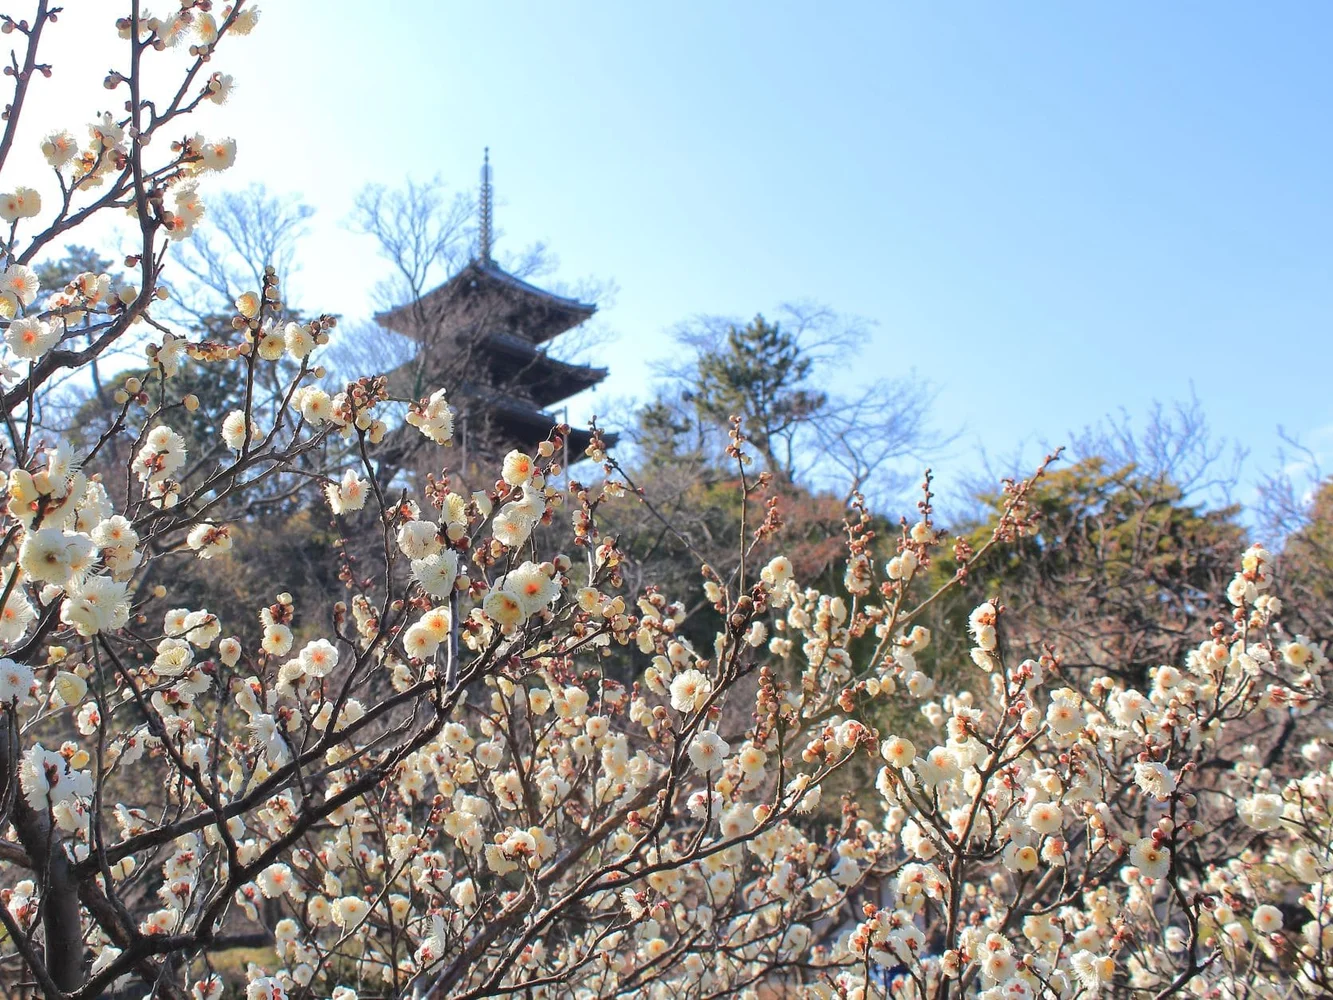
(52, 870)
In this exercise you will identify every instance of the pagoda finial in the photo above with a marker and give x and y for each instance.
(485, 236)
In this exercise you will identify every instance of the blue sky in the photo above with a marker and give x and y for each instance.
(1050, 210)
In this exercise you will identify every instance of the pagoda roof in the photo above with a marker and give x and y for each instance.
(527, 423)
(483, 293)
(545, 379)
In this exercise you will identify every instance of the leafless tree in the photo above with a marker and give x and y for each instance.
(1171, 446)
(1174, 445)
(1285, 496)
(425, 235)
(1294, 511)
(243, 232)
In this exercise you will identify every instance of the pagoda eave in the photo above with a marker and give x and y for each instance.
(528, 424)
(545, 379)
(482, 295)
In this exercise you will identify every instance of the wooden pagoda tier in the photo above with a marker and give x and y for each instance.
(482, 294)
(519, 422)
(493, 326)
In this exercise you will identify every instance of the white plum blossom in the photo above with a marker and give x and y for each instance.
(690, 690)
(433, 418)
(708, 751)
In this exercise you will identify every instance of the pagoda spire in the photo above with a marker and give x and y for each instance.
(485, 234)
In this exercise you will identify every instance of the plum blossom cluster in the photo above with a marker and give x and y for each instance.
(449, 790)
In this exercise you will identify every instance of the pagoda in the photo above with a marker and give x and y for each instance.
(483, 336)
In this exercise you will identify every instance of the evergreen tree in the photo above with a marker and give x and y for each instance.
(760, 373)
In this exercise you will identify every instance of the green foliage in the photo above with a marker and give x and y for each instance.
(1117, 574)
(759, 372)
(662, 434)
